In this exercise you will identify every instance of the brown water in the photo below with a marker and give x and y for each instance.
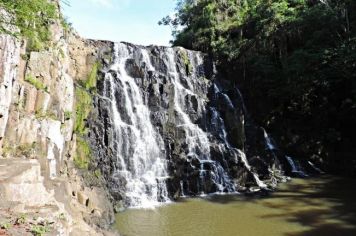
(324, 206)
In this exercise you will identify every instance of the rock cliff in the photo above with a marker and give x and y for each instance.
(167, 125)
(38, 140)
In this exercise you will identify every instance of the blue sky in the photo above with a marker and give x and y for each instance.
(132, 21)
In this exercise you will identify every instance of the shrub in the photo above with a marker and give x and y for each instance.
(35, 82)
(83, 154)
(32, 17)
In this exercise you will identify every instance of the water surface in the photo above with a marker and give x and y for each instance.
(323, 206)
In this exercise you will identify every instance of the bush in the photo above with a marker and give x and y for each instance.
(35, 82)
(33, 18)
(83, 108)
(83, 154)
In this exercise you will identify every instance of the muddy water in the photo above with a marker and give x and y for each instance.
(323, 206)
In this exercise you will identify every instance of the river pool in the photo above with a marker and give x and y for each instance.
(317, 206)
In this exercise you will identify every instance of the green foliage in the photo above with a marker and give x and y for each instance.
(41, 115)
(97, 173)
(33, 18)
(186, 61)
(67, 26)
(67, 115)
(62, 216)
(26, 150)
(83, 154)
(90, 83)
(39, 230)
(22, 219)
(5, 225)
(83, 108)
(35, 82)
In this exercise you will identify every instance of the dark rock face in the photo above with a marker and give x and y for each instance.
(165, 125)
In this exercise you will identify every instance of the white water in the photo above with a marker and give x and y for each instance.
(140, 149)
(196, 139)
(296, 168)
(141, 167)
(219, 122)
(316, 168)
(268, 141)
(259, 182)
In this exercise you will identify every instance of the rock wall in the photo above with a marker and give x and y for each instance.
(37, 120)
(166, 125)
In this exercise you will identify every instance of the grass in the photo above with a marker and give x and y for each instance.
(6, 225)
(90, 83)
(22, 219)
(35, 82)
(39, 230)
(82, 110)
(83, 154)
(26, 150)
(41, 115)
(68, 115)
(97, 173)
(84, 104)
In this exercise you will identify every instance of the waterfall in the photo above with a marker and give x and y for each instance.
(196, 139)
(169, 128)
(140, 149)
(297, 169)
(219, 125)
(268, 141)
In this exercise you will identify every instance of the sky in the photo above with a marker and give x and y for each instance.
(134, 21)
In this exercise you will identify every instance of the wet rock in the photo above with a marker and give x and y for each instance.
(200, 118)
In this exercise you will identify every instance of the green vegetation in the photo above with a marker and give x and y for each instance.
(67, 26)
(295, 62)
(35, 82)
(186, 61)
(22, 219)
(83, 108)
(97, 173)
(90, 83)
(32, 17)
(26, 150)
(67, 115)
(83, 154)
(6, 225)
(62, 216)
(41, 115)
(39, 230)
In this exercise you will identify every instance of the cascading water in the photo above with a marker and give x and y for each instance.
(140, 149)
(297, 169)
(218, 124)
(268, 141)
(168, 128)
(196, 139)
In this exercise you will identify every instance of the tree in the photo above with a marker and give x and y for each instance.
(31, 17)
